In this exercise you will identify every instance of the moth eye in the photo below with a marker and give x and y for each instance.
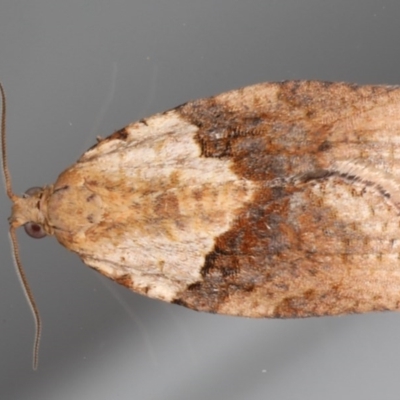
(33, 190)
(34, 230)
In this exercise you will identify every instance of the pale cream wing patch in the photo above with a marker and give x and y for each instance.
(158, 205)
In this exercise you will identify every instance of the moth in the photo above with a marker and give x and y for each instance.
(275, 200)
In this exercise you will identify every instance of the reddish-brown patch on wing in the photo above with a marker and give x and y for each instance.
(125, 280)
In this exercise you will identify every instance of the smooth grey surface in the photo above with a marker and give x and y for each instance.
(76, 69)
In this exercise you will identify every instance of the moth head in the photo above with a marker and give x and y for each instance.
(26, 212)
(33, 227)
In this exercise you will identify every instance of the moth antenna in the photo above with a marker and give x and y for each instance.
(6, 172)
(29, 296)
(14, 243)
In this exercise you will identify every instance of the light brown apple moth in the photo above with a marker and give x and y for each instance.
(275, 200)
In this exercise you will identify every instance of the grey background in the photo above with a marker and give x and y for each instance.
(76, 69)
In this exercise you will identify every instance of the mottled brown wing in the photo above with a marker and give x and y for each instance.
(321, 236)
(276, 200)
